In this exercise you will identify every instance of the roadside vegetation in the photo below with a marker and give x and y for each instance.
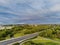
(16, 44)
(49, 34)
(42, 41)
(46, 37)
(20, 30)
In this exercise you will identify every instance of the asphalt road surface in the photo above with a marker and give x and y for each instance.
(20, 39)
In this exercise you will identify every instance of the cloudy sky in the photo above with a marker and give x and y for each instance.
(29, 11)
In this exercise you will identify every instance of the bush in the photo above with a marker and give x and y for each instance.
(16, 44)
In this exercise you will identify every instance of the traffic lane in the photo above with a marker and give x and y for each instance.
(18, 39)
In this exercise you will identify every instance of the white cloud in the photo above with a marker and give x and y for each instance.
(29, 9)
(55, 8)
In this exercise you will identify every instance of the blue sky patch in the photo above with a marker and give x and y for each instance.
(30, 11)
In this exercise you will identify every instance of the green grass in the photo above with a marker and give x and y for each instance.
(8, 37)
(15, 35)
(42, 41)
(18, 35)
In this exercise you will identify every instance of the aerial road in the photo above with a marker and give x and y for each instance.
(20, 39)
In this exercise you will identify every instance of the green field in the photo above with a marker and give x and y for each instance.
(42, 41)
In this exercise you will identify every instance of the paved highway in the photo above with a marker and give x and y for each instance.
(20, 39)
